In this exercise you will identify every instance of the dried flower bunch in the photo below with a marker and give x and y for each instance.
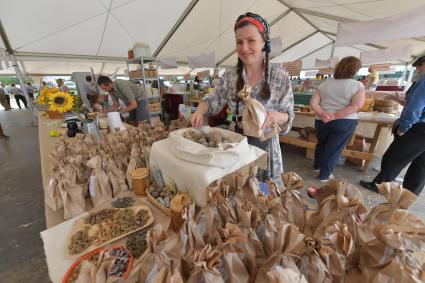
(208, 140)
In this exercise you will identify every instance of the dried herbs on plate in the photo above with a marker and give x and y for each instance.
(136, 243)
(123, 202)
(79, 242)
(100, 216)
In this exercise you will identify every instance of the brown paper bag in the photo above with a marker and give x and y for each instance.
(52, 196)
(397, 198)
(206, 262)
(224, 205)
(281, 236)
(135, 162)
(85, 275)
(72, 194)
(254, 253)
(230, 241)
(99, 186)
(253, 117)
(190, 239)
(280, 268)
(190, 236)
(312, 265)
(285, 275)
(156, 257)
(332, 188)
(76, 163)
(208, 219)
(344, 209)
(391, 254)
(292, 200)
(120, 156)
(337, 237)
(116, 176)
(167, 275)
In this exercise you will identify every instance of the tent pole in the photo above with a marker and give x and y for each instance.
(9, 49)
(186, 12)
(23, 88)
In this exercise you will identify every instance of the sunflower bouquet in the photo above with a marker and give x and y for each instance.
(55, 100)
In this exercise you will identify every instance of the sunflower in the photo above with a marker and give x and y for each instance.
(61, 101)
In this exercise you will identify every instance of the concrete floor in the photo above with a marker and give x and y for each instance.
(21, 201)
(22, 208)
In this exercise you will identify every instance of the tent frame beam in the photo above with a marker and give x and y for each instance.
(303, 17)
(170, 34)
(368, 44)
(299, 41)
(314, 51)
(277, 19)
(30, 56)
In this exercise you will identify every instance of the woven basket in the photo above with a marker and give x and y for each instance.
(54, 114)
(157, 204)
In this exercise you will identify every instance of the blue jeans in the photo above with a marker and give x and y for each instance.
(332, 138)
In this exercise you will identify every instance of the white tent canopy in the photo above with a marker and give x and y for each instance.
(60, 37)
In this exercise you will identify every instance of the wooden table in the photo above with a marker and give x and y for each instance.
(45, 125)
(380, 123)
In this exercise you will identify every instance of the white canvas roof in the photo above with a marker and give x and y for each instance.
(61, 37)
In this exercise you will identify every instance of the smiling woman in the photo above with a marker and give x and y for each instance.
(270, 86)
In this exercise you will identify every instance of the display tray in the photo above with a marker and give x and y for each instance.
(81, 225)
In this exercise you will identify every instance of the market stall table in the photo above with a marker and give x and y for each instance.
(376, 127)
(55, 240)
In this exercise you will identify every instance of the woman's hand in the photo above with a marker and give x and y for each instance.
(277, 118)
(197, 118)
(400, 98)
(327, 117)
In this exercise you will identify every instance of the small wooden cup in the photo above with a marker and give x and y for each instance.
(140, 181)
(178, 202)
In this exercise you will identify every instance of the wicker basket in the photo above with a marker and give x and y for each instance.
(54, 114)
(157, 204)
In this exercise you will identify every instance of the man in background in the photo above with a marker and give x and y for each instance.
(30, 91)
(90, 90)
(19, 95)
(128, 92)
